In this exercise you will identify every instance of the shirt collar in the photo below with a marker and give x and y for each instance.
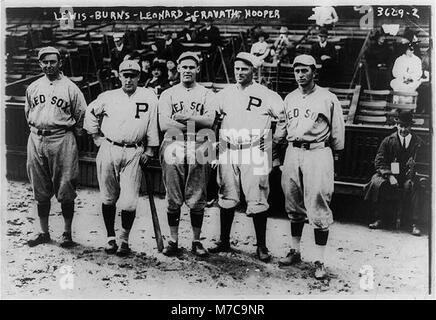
(408, 138)
(310, 92)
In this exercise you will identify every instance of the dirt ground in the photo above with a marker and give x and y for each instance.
(399, 261)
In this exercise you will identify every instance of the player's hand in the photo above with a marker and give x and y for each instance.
(144, 159)
(98, 140)
(393, 181)
(182, 118)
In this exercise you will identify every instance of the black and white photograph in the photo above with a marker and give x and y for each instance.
(238, 150)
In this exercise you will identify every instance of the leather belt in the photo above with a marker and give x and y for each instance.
(309, 145)
(125, 145)
(242, 146)
(43, 132)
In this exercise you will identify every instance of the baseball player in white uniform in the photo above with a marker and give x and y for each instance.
(126, 137)
(248, 109)
(314, 127)
(54, 109)
(185, 177)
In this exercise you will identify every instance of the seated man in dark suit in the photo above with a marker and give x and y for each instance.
(395, 184)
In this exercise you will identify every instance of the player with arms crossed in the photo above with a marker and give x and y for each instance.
(54, 109)
(126, 137)
(314, 127)
(248, 108)
(185, 178)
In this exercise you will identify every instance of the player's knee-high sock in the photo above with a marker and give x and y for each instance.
(68, 213)
(127, 218)
(296, 232)
(43, 214)
(226, 221)
(259, 220)
(173, 216)
(321, 237)
(196, 222)
(109, 211)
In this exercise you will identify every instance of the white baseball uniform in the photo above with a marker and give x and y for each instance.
(314, 126)
(247, 118)
(54, 111)
(129, 124)
(184, 177)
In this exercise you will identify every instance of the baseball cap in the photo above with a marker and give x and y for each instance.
(48, 50)
(189, 55)
(129, 65)
(304, 59)
(249, 58)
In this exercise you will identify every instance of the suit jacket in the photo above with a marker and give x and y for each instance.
(328, 50)
(390, 150)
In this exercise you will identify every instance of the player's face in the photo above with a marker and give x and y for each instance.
(403, 129)
(304, 75)
(129, 81)
(50, 64)
(243, 72)
(188, 70)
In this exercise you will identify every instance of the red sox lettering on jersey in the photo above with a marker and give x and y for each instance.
(314, 117)
(52, 104)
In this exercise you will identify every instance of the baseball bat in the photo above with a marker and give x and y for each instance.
(156, 225)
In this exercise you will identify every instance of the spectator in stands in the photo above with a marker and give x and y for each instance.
(119, 51)
(395, 185)
(378, 58)
(261, 48)
(210, 33)
(159, 80)
(168, 48)
(407, 71)
(189, 33)
(254, 33)
(173, 74)
(324, 53)
(283, 47)
(324, 16)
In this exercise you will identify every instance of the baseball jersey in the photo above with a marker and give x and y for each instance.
(248, 112)
(195, 101)
(313, 117)
(54, 104)
(125, 119)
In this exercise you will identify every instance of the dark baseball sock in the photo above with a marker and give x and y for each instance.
(321, 236)
(127, 219)
(43, 209)
(297, 229)
(67, 213)
(109, 218)
(173, 216)
(43, 214)
(259, 220)
(197, 218)
(67, 209)
(226, 221)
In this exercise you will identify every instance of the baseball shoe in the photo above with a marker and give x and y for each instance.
(40, 239)
(124, 250)
(375, 225)
(220, 246)
(172, 249)
(291, 258)
(415, 230)
(320, 271)
(67, 241)
(198, 249)
(111, 247)
(262, 254)
(211, 203)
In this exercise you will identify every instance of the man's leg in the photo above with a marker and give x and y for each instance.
(67, 213)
